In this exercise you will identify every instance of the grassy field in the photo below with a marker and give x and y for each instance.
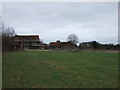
(56, 69)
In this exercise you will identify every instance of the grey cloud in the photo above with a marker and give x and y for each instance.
(52, 21)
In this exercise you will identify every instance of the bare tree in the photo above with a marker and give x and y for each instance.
(7, 31)
(73, 38)
(7, 34)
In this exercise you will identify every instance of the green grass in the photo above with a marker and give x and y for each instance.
(56, 69)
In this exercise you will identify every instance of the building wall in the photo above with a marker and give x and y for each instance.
(27, 43)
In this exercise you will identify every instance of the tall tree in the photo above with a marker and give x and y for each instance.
(73, 38)
(95, 44)
(7, 34)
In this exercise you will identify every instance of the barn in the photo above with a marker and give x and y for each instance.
(27, 41)
(61, 45)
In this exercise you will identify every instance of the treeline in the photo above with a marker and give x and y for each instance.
(96, 45)
(7, 33)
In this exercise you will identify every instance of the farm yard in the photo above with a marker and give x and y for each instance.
(59, 69)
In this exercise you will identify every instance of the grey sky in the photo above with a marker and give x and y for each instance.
(55, 21)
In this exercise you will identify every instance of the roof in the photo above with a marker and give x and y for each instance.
(26, 37)
(60, 43)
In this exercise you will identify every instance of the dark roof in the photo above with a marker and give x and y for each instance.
(27, 37)
(60, 43)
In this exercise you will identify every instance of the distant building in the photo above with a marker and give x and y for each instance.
(27, 41)
(61, 45)
(96, 45)
(86, 45)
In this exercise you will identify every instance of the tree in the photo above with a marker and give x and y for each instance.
(95, 44)
(7, 31)
(7, 34)
(73, 38)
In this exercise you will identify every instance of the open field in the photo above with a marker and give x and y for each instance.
(55, 69)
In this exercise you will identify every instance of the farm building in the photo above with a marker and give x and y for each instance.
(61, 45)
(27, 41)
(86, 45)
(96, 45)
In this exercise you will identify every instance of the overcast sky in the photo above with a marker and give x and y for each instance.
(55, 21)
